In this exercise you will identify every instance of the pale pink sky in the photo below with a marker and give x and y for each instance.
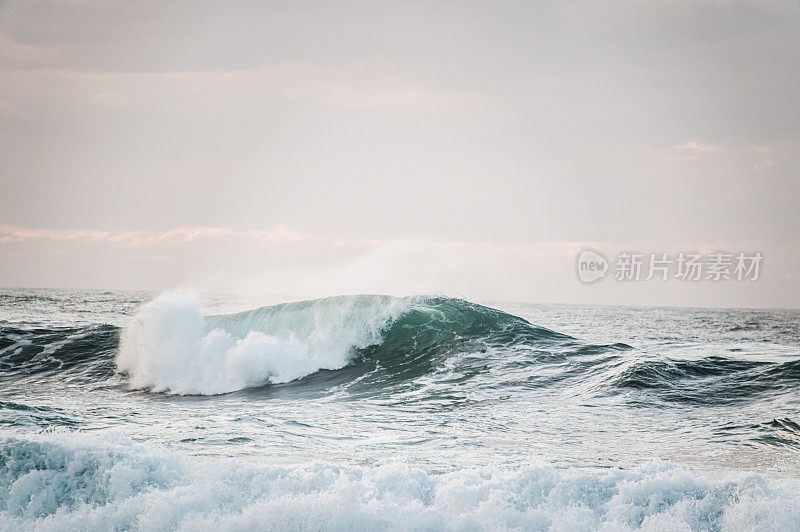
(467, 148)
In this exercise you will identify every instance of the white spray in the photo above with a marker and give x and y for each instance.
(170, 347)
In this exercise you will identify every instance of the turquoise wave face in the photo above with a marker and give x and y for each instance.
(399, 338)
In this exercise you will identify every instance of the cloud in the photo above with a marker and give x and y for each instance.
(22, 55)
(697, 147)
(351, 87)
(11, 234)
(15, 234)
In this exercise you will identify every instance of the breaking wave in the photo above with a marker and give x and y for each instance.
(171, 347)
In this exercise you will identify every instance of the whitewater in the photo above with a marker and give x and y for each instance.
(177, 411)
(170, 347)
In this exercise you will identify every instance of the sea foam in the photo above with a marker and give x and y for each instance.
(170, 347)
(74, 481)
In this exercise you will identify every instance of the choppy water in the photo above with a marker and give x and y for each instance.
(372, 412)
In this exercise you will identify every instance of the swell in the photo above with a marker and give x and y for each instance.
(712, 380)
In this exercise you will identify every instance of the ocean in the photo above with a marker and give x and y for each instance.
(175, 411)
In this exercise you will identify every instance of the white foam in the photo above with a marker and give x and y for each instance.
(170, 347)
(79, 482)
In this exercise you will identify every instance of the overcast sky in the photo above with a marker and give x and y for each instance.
(316, 148)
